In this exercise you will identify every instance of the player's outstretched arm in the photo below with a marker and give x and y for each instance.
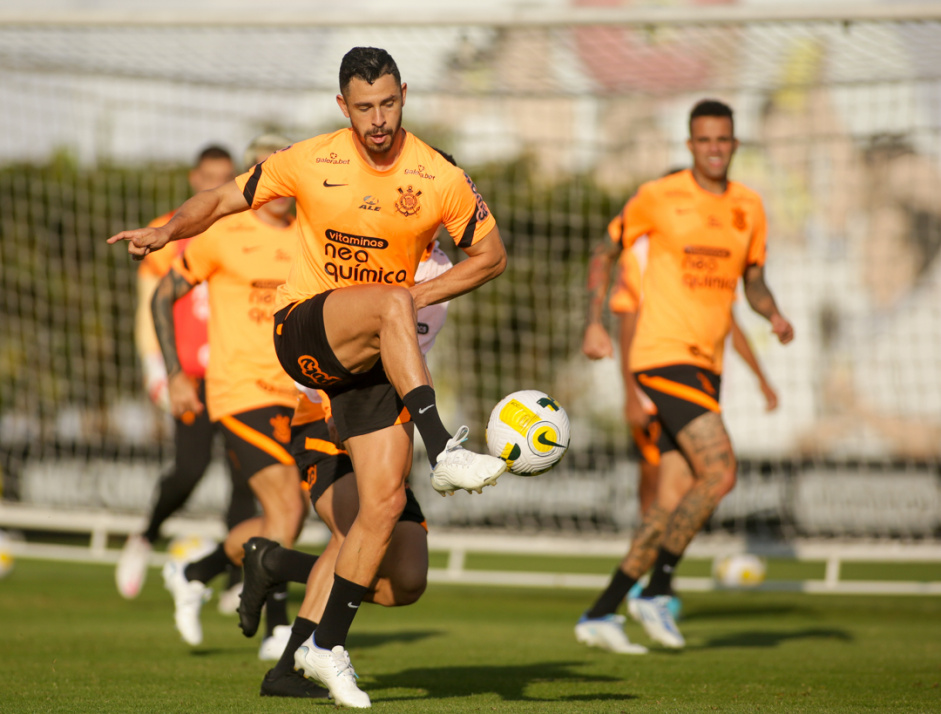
(183, 395)
(762, 301)
(192, 218)
(486, 259)
(596, 342)
(743, 347)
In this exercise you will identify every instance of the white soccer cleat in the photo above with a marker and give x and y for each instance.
(273, 647)
(654, 614)
(333, 670)
(457, 468)
(132, 566)
(606, 633)
(229, 600)
(188, 599)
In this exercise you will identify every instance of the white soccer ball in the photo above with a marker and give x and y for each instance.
(529, 430)
(743, 570)
(188, 548)
(6, 554)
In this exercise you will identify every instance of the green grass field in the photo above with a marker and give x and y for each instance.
(69, 643)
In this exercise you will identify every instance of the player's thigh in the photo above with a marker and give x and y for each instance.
(256, 444)
(406, 560)
(676, 478)
(707, 447)
(338, 505)
(353, 317)
(380, 461)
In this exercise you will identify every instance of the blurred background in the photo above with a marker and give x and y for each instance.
(558, 110)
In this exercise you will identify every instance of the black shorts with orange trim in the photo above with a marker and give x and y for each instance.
(647, 441)
(322, 464)
(681, 393)
(363, 402)
(256, 439)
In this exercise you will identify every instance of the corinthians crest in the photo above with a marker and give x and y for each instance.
(408, 204)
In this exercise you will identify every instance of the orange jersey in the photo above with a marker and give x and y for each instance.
(244, 261)
(360, 225)
(190, 313)
(700, 246)
(626, 295)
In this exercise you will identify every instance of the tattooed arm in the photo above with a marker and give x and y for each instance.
(183, 394)
(762, 301)
(596, 342)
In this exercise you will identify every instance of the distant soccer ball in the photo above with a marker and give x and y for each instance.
(187, 548)
(742, 570)
(6, 554)
(528, 430)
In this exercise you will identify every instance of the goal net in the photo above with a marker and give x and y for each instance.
(558, 120)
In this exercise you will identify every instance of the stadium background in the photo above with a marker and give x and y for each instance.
(558, 115)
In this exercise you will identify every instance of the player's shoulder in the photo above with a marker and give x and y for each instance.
(308, 150)
(741, 193)
(434, 161)
(676, 185)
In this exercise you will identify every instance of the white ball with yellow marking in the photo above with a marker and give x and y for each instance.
(529, 430)
(188, 548)
(743, 570)
(6, 554)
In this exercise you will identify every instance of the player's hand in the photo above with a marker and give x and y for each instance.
(771, 396)
(141, 241)
(184, 398)
(596, 344)
(782, 328)
(635, 414)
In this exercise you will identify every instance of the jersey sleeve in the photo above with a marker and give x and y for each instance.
(757, 248)
(626, 295)
(200, 259)
(465, 214)
(638, 216)
(616, 226)
(274, 177)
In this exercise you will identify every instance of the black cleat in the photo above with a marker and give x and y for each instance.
(292, 684)
(257, 583)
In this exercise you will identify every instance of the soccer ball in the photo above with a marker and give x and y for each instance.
(742, 570)
(528, 430)
(189, 548)
(6, 554)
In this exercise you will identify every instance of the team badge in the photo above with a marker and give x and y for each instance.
(738, 219)
(311, 369)
(281, 429)
(408, 204)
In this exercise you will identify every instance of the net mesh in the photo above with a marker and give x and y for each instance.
(839, 124)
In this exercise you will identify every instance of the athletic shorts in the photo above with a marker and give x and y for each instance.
(681, 393)
(257, 439)
(322, 464)
(362, 403)
(647, 441)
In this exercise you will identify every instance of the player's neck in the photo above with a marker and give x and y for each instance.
(716, 186)
(382, 162)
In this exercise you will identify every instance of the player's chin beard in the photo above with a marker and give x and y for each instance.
(384, 149)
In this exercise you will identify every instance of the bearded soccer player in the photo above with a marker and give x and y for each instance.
(706, 232)
(370, 200)
(243, 259)
(193, 434)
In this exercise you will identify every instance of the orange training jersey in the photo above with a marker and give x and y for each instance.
(359, 225)
(626, 295)
(190, 313)
(700, 245)
(244, 261)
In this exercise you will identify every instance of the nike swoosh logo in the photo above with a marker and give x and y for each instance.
(327, 184)
(424, 409)
(355, 607)
(279, 596)
(547, 442)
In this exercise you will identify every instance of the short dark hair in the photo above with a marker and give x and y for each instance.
(368, 64)
(213, 151)
(711, 108)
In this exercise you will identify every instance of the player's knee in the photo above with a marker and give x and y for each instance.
(725, 481)
(409, 586)
(382, 511)
(398, 304)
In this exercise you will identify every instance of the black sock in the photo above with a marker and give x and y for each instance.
(301, 631)
(616, 591)
(288, 565)
(423, 408)
(661, 577)
(276, 608)
(209, 567)
(234, 574)
(342, 605)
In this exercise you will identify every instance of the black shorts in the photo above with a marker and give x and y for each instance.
(647, 441)
(362, 403)
(322, 464)
(681, 393)
(257, 439)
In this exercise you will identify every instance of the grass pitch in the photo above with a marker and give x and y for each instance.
(69, 643)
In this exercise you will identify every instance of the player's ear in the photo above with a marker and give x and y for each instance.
(404, 90)
(341, 102)
(734, 145)
(689, 145)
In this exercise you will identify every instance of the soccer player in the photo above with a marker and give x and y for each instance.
(370, 200)
(705, 232)
(403, 573)
(192, 433)
(243, 260)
